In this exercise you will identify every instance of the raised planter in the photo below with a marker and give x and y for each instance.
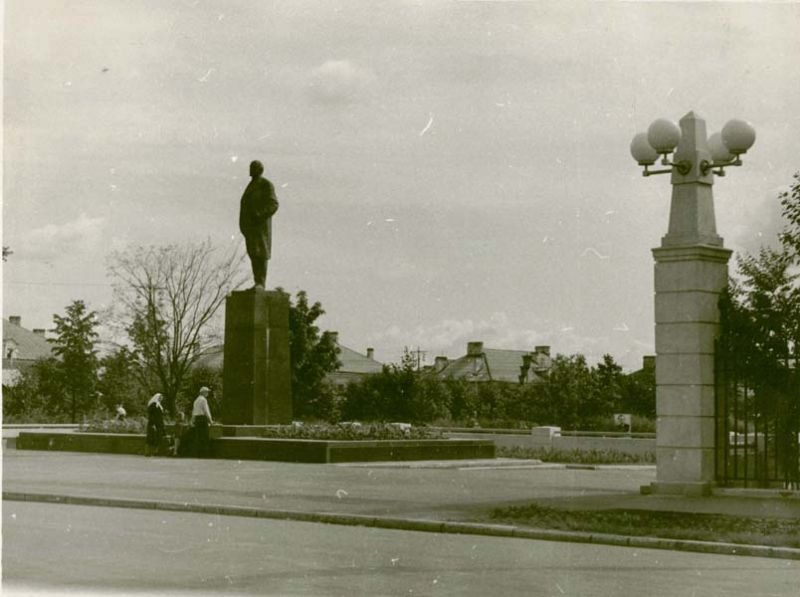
(111, 443)
(283, 450)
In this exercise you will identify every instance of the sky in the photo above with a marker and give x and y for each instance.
(447, 171)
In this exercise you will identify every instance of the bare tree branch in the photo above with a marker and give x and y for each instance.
(169, 295)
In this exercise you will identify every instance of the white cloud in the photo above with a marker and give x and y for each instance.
(752, 222)
(340, 81)
(54, 240)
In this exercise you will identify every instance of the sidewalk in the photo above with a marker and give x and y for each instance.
(441, 496)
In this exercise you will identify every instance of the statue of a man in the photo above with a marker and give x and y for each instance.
(255, 221)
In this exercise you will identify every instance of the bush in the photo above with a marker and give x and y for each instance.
(36, 415)
(322, 431)
(351, 431)
(127, 425)
(576, 456)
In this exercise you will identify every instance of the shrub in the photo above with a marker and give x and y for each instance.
(576, 456)
(351, 431)
(127, 425)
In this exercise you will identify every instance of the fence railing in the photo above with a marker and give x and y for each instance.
(757, 422)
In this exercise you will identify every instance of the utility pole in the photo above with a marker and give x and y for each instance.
(420, 354)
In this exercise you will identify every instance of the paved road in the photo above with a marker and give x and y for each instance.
(432, 493)
(106, 551)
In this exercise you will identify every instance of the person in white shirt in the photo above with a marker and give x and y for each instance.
(201, 419)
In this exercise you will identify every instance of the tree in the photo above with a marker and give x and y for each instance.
(569, 381)
(313, 356)
(790, 202)
(607, 390)
(760, 311)
(39, 395)
(75, 344)
(390, 395)
(119, 382)
(169, 296)
(7, 252)
(639, 393)
(760, 339)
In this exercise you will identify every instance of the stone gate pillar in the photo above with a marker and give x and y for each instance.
(691, 270)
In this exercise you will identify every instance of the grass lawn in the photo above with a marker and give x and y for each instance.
(774, 532)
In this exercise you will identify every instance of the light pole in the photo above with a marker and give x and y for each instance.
(691, 270)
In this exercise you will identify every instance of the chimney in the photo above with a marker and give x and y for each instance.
(649, 362)
(39, 331)
(474, 349)
(440, 363)
(334, 336)
(15, 320)
(541, 359)
(370, 353)
(526, 366)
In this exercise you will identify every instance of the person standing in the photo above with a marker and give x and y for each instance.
(256, 209)
(155, 425)
(201, 420)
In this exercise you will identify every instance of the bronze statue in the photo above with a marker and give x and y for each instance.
(255, 221)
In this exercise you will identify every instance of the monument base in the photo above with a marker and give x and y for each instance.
(257, 369)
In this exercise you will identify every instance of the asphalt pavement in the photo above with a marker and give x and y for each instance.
(438, 496)
(78, 550)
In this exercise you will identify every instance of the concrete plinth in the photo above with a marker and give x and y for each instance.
(257, 370)
(688, 283)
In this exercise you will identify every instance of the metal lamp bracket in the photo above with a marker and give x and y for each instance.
(683, 167)
(705, 166)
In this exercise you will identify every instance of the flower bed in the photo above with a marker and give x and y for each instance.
(312, 443)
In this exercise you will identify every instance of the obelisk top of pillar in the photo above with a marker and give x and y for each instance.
(691, 217)
(692, 148)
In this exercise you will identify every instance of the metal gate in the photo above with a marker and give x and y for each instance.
(757, 420)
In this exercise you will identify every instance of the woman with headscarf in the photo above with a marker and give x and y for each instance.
(155, 424)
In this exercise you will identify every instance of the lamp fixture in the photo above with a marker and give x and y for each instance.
(663, 136)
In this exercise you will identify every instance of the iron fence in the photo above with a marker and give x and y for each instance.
(757, 420)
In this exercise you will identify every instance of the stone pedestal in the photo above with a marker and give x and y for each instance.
(257, 371)
(688, 283)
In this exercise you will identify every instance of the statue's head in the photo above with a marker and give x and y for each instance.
(256, 169)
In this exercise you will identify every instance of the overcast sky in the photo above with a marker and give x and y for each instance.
(447, 171)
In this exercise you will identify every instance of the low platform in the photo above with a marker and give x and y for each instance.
(280, 450)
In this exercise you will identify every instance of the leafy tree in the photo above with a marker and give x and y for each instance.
(169, 296)
(639, 393)
(569, 381)
(760, 338)
(39, 396)
(119, 382)
(462, 400)
(760, 311)
(431, 400)
(7, 252)
(313, 356)
(790, 202)
(386, 396)
(607, 390)
(75, 344)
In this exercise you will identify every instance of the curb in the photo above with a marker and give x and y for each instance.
(422, 525)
